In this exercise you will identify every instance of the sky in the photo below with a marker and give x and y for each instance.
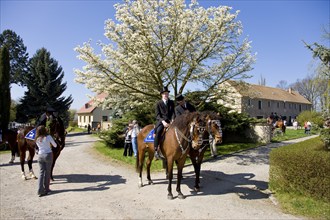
(276, 28)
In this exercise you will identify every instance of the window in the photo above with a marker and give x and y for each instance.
(249, 102)
(300, 108)
(278, 105)
(269, 104)
(284, 105)
(104, 118)
(259, 104)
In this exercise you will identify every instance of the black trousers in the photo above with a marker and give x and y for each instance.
(128, 146)
(158, 132)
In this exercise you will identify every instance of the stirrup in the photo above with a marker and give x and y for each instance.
(157, 157)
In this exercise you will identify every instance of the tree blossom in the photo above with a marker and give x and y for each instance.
(156, 43)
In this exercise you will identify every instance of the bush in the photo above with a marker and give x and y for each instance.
(73, 123)
(325, 136)
(314, 117)
(302, 168)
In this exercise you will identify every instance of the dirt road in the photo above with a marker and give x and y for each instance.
(89, 186)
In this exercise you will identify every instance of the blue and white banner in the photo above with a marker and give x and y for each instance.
(31, 134)
(150, 136)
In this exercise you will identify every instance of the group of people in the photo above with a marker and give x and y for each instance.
(131, 133)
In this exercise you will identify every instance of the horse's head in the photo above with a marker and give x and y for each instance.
(198, 131)
(57, 130)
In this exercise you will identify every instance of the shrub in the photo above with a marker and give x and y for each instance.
(325, 136)
(302, 168)
(312, 116)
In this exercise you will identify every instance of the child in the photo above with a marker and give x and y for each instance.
(45, 159)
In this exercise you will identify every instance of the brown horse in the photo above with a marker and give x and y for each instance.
(186, 132)
(24, 145)
(9, 137)
(196, 156)
(277, 124)
(57, 131)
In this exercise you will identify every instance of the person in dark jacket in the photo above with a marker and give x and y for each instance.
(183, 106)
(46, 118)
(165, 114)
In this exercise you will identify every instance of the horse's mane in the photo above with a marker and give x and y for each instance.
(183, 120)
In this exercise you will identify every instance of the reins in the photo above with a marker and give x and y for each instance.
(188, 139)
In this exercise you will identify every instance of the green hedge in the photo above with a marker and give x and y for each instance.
(303, 168)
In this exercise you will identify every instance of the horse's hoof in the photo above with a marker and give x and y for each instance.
(140, 185)
(33, 176)
(11, 161)
(150, 182)
(24, 178)
(170, 197)
(196, 189)
(181, 196)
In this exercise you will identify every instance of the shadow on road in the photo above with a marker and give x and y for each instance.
(219, 183)
(102, 182)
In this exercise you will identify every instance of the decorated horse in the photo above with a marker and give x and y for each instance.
(196, 156)
(10, 137)
(188, 131)
(26, 142)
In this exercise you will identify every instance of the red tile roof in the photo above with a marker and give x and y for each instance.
(89, 106)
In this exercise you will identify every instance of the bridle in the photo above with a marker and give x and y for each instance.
(193, 126)
(210, 140)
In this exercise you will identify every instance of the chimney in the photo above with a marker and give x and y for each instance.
(290, 90)
(86, 105)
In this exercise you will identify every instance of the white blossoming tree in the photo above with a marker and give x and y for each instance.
(157, 43)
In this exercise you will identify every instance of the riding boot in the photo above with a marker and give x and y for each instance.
(157, 157)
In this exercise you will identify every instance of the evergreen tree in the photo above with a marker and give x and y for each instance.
(5, 88)
(17, 55)
(45, 87)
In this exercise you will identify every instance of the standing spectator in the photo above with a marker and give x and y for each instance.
(98, 127)
(45, 159)
(295, 124)
(128, 141)
(135, 131)
(308, 127)
(89, 128)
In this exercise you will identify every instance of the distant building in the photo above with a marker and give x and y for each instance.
(91, 114)
(259, 101)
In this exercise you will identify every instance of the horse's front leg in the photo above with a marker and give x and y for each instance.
(170, 177)
(197, 168)
(178, 184)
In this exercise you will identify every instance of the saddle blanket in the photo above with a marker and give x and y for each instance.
(150, 136)
(31, 134)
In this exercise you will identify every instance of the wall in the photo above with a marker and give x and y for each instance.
(258, 132)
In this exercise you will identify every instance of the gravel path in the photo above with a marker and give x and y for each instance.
(90, 186)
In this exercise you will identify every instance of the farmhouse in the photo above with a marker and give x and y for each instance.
(92, 114)
(259, 101)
